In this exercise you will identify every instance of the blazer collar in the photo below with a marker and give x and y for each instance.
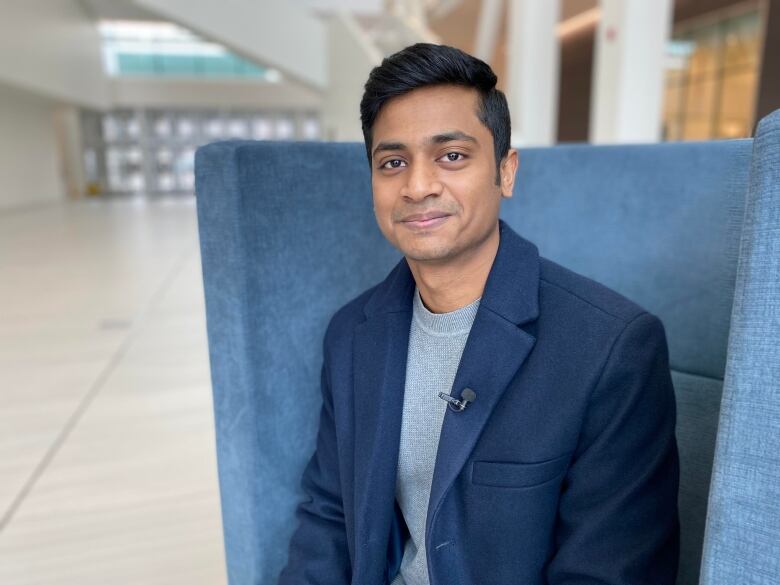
(511, 289)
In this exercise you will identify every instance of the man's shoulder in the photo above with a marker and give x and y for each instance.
(558, 285)
(588, 295)
(344, 320)
(351, 312)
(355, 311)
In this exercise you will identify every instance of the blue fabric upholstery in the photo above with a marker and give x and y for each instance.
(661, 224)
(288, 236)
(743, 527)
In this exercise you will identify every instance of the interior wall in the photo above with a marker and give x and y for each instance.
(52, 48)
(29, 159)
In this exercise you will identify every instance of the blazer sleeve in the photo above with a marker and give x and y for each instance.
(318, 552)
(617, 517)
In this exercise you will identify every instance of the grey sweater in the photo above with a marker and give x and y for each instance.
(436, 342)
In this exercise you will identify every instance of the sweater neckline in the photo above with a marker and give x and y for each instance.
(454, 322)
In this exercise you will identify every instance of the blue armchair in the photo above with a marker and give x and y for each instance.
(690, 231)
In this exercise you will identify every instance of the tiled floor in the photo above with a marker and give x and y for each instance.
(107, 455)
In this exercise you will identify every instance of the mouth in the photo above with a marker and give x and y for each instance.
(419, 221)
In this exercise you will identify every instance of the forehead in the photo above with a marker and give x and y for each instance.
(429, 110)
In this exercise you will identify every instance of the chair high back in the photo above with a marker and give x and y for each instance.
(288, 236)
(660, 224)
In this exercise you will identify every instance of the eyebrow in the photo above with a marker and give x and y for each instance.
(435, 139)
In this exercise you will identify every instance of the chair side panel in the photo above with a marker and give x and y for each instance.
(742, 542)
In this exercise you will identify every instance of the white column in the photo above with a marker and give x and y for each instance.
(533, 58)
(628, 72)
(488, 29)
(351, 56)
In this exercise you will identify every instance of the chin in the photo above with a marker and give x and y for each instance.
(427, 253)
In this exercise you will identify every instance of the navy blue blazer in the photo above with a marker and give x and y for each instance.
(564, 469)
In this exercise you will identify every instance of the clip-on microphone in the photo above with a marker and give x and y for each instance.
(466, 396)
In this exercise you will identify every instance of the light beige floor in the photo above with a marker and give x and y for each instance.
(107, 456)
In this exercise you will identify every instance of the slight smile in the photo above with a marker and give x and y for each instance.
(424, 221)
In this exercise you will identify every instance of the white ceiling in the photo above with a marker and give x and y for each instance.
(116, 10)
(355, 6)
(128, 10)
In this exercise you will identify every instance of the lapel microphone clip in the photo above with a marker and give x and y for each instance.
(466, 396)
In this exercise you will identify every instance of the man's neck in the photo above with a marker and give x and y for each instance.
(448, 287)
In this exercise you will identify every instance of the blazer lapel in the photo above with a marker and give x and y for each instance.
(494, 351)
(380, 351)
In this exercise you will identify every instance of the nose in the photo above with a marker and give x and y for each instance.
(421, 182)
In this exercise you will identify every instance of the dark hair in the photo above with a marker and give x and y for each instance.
(425, 64)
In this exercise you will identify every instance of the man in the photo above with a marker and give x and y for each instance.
(550, 455)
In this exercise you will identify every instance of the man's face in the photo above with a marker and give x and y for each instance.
(433, 174)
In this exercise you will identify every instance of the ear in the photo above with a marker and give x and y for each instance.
(508, 169)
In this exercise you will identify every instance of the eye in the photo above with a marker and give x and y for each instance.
(394, 163)
(453, 156)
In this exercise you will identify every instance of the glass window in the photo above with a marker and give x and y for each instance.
(163, 127)
(737, 97)
(110, 128)
(133, 127)
(238, 128)
(285, 128)
(711, 78)
(185, 127)
(149, 48)
(164, 157)
(262, 129)
(90, 164)
(165, 182)
(184, 169)
(130, 151)
(215, 128)
(311, 129)
(135, 182)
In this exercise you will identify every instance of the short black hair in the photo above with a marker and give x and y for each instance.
(425, 64)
